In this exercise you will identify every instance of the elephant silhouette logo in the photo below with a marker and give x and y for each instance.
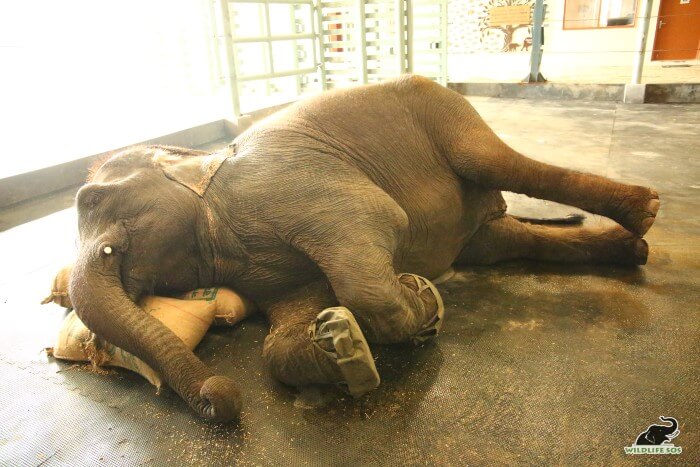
(656, 439)
(657, 435)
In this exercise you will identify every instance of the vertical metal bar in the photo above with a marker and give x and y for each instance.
(216, 71)
(443, 43)
(270, 63)
(536, 54)
(293, 19)
(362, 40)
(320, 43)
(642, 34)
(400, 18)
(230, 58)
(409, 36)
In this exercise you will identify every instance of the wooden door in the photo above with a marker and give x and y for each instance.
(677, 30)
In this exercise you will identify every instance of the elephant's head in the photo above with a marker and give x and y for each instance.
(144, 227)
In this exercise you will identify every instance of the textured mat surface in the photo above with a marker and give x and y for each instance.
(537, 364)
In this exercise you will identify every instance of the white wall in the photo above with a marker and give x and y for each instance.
(84, 76)
(589, 55)
(583, 51)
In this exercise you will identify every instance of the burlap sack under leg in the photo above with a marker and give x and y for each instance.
(336, 332)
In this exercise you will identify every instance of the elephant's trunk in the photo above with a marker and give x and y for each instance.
(99, 299)
(674, 423)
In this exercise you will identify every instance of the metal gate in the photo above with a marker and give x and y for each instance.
(428, 39)
(277, 50)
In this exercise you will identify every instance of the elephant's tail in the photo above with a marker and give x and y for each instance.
(571, 219)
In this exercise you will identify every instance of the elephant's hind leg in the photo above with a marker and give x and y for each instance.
(477, 154)
(506, 238)
(314, 341)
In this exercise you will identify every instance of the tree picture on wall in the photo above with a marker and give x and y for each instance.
(503, 38)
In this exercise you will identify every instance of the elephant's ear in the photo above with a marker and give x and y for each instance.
(193, 171)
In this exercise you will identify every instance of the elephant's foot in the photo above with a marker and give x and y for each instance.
(638, 251)
(636, 209)
(432, 301)
(336, 333)
(618, 245)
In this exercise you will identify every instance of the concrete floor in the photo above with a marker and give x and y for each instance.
(537, 364)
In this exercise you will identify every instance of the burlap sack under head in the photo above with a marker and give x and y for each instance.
(59, 289)
(189, 317)
(189, 320)
(230, 306)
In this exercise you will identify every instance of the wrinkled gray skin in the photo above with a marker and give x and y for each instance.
(324, 204)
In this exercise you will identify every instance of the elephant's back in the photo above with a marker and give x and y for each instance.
(374, 129)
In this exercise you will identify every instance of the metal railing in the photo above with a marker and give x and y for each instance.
(232, 40)
(351, 42)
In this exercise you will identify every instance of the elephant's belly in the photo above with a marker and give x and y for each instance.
(272, 272)
(442, 218)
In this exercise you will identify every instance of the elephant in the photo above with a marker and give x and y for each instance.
(332, 216)
(656, 435)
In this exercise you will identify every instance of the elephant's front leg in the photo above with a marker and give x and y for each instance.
(390, 307)
(314, 341)
(352, 229)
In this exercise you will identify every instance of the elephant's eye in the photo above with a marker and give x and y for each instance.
(89, 197)
(92, 200)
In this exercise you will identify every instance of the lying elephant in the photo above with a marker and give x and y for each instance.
(330, 216)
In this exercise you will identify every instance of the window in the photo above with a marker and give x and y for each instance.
(586, 14)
